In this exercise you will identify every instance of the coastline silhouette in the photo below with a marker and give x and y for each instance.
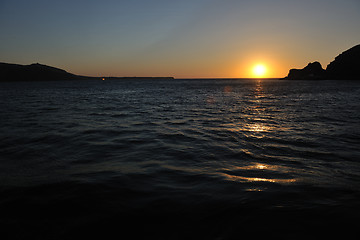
(344, 67)
(40, 72)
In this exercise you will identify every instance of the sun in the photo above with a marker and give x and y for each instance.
(259, 70)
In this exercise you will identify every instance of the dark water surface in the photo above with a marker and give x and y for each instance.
(180, 159)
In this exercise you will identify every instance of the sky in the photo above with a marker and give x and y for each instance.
(183, 39)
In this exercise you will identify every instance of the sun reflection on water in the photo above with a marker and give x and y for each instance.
(257, 179)
(254, 118)
(259, 91)
(237, 178)
(258, 127)
(240, 174)
(255, 122)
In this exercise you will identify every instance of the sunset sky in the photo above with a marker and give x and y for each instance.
(184, 39)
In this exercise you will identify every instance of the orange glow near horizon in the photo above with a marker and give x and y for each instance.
(261, 65)
(248, 66)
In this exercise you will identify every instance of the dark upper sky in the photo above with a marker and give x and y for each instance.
(187, 38)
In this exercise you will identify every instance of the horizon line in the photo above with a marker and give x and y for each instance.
(225, 78)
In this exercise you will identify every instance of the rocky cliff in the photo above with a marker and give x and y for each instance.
(345, 66)
(313, 71)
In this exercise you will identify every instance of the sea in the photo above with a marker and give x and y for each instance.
(180, 159)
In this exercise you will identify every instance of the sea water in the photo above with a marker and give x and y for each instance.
(180, 159)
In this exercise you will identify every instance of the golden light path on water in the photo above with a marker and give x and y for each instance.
(261, 169)
(256, 167)
(257, 127)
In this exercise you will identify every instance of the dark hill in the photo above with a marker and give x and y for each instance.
(313, 71)
(39, 72)
(34, 72)
(345, 66)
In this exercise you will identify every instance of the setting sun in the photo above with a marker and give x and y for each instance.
(259, 70)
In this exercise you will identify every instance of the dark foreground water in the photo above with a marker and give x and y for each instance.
(180, 159)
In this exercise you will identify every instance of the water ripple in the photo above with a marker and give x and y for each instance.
(199, 149)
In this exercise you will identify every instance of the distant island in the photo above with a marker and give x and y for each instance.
(40, 72)
(345, 67)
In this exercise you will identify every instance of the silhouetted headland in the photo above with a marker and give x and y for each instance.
(313, 71)
(345, 66)
(40, 72)
(34, 72)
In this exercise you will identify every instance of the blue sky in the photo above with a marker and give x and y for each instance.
(188, 38)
